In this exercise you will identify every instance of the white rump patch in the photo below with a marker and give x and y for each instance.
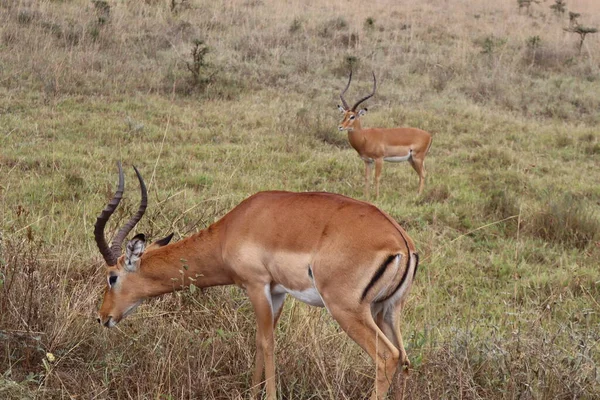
(383, 290)
(388, 305)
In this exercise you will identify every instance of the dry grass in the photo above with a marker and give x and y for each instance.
(505, 304)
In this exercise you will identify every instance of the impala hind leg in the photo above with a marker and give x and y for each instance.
(418, 165)
(389, 322)
(361, 327)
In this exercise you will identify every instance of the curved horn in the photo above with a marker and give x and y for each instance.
(109, 256)
(344, 91)
(368, 96)
(120, 236)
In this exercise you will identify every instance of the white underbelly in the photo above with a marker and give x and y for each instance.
(397, 158)
(309, 296)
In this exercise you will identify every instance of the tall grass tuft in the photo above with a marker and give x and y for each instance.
(566, 221)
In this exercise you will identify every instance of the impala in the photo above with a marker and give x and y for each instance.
(376, 145)
(324, 249)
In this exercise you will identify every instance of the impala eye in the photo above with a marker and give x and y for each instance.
(352, 117)
(112, 280)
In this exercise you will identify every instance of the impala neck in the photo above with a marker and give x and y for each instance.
(195, 260)
(355, 136)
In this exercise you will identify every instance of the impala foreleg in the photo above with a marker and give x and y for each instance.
(265, 341)
(378, 169)
(368, 165)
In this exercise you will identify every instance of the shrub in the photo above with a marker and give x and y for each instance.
(198, 65)
(490, 44)
(102, 10)
(533, 44)
(559, 7)
(296, 25)
(576, 27)
(526, 4)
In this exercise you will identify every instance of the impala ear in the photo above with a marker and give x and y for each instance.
(362, 112)
(342, 109)
(133, 252)
(164, 241)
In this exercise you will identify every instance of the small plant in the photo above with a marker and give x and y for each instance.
(370, 23)
(351, 62)
(296, 25)
(490, 43)
(526, 4)
(576, 27)
(533, 44)
(102, 10)
(174, 5)
(583, 31)
(559, 7)
(573, 17)
(198, 64)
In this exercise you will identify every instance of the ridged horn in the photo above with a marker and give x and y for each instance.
(368, 96)
(111, 254)
(120, 236)
(344, 91)
(107, 253)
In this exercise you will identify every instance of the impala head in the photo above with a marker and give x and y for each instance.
(126, 286)
(351, 116)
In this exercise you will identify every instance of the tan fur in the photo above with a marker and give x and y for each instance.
(374, 144)
(273, 238)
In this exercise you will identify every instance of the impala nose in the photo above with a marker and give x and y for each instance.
(108, 323)
(340, 128)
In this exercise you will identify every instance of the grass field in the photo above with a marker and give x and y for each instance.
(506, 304)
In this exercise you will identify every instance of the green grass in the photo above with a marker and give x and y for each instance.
(505, 304)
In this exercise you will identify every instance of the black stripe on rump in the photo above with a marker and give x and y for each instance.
(378, 274)
(416, 264)
(401, 280)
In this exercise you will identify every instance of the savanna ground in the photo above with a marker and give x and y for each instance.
(506, 301)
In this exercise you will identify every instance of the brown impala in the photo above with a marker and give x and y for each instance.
(376, 145)
(324, 249)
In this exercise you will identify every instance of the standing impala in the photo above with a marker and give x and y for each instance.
(323, 249)
(376, 145)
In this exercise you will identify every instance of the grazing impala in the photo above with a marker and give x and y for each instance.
(376, 145)
(323, 249)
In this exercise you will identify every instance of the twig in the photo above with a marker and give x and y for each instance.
(475, 230)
